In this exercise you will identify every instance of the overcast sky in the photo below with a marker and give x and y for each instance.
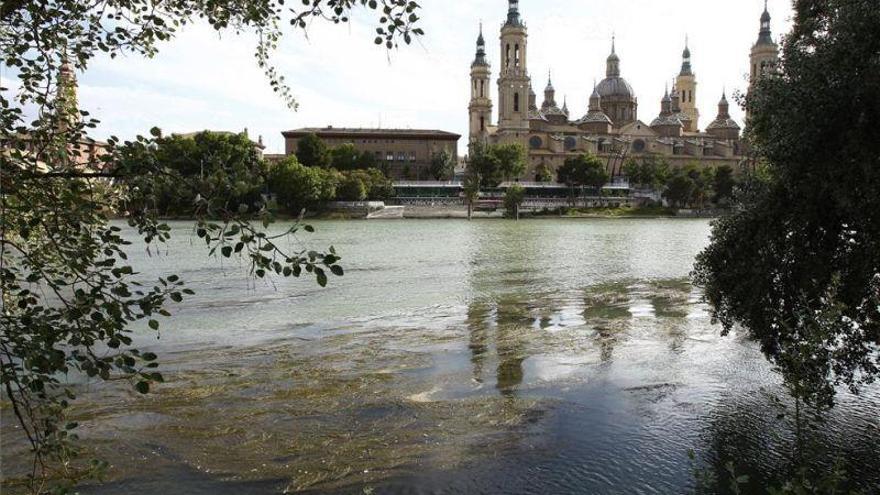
(203, 81)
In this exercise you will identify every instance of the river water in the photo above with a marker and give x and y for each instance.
(551, 356)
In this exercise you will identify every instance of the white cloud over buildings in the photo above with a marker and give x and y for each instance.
(201, 80)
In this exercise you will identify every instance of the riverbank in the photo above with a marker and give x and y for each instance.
(450, 212)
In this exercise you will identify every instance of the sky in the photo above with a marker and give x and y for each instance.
(201, 80)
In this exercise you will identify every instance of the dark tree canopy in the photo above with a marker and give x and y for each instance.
(312, 151)
(797, 264)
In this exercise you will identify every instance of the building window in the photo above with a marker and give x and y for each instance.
(516, 55)
(535, 142)
(570, 143)
(389, 157)
(639, 145)
(482, 123)
(378, 155)
(412, 156)
(516, 102)
(507, 57)
(482, 89)
(401, 156)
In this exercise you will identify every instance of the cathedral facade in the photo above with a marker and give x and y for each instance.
(610, 127)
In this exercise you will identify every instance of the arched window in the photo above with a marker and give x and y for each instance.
(570, 143)
(482, 89)
(507, 57)
(482, 123)
(516, 102)
(535, 142)
(516, 55)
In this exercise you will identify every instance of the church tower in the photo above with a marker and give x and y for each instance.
(765, 53)
(480, 107)
(513, 83)
(686, 83)
(66, 103)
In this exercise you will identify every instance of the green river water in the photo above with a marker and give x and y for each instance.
(551, 356)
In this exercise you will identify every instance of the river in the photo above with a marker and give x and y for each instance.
(540, 356)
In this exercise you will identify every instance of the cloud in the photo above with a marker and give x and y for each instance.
(204, 81)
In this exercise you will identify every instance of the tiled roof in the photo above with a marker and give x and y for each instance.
(362, 132)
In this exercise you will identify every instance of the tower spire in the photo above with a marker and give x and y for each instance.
(513, 18)
(765, 36)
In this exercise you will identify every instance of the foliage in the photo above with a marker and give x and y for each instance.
(471, 186)
(512, 160)
(351, 188)
(679, 190)
(224, 167)
(70, 298)
(442, 165)
(544, 173)
(723, 184)
(496, 163)
(694, 185)
(797, 264)
(297, 187)
(347, 157)
(311, 151)
(585, 170)
(485, 164)
(513, 199)
(649, 172)
(377, 186)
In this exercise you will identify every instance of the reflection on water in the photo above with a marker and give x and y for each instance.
(487, 357)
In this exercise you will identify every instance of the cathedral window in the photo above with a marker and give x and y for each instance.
(507, 57)
(482, 89)
(535, 142)
(516, 55)
(516, 102)
(482, 123)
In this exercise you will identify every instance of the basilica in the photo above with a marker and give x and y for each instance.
(610, 127)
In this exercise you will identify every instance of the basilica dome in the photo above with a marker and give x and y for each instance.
(615, 86)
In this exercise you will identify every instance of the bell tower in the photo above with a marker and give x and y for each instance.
(765, 53)
(513, 83)
(480, 108)
(686, 83)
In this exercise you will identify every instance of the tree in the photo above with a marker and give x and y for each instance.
(55, 203)
(486, 164)
(224, 167)
(544, 173)
(649, 173)
(585, 170)
(471, 192)
(351, 188)
(593, 174)
(513, 199)
(797, 262)
(377, 187)
(723, 184)
(679, 189)
(511, 160)
(442, 165)
(311, 151)
(297, 187)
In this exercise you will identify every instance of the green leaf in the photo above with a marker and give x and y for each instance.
(337, 270)
(154, 324)
(142, 387)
